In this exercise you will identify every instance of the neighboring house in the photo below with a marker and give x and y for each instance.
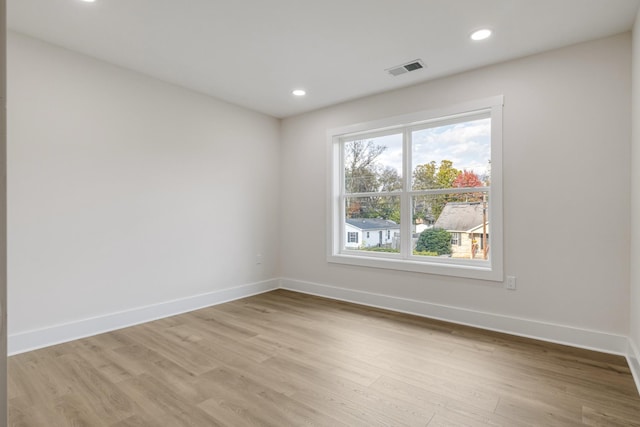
(369, 232)
(464, 220)
(421, 227)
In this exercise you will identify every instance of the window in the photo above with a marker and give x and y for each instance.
(368, 235)
(352, 237)
(434, 178)
(456, 239)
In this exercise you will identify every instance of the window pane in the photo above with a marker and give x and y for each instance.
(451, 225)
(372, 223)
(373, 164)
(452, 156)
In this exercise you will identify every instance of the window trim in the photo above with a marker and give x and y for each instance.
(491, 269)
(456, 238)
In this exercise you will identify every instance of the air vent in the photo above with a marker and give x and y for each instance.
(405, 68)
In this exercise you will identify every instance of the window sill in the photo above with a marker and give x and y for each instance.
(479, 272)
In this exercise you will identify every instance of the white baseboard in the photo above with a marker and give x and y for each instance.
(560, 334)
(633, 358)
(32, 340)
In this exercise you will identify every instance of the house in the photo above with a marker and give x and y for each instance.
(464, 220)
(132, 196)
(369, 232)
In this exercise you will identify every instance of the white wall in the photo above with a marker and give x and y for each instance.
(635, 208)
(566, 174)
(3, 219)
(126, 192)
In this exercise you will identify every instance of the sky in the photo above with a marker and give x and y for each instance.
(466, 144)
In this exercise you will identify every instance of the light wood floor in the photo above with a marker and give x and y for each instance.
(287, 359)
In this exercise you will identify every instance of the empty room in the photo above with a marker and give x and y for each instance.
(328, 213)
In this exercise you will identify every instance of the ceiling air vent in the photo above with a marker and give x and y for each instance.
(405, 68)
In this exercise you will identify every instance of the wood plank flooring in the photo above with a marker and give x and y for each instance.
(288, 359)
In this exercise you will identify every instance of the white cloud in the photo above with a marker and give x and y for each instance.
(467, 145)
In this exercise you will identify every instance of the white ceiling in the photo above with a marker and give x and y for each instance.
(254, 52)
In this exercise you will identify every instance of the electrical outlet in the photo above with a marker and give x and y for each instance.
(511, 283)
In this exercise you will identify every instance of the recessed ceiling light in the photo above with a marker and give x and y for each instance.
(88, 1)
(299, 92)
(481, 34)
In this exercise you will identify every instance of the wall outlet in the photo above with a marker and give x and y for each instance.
(258, 259)
(510, 283)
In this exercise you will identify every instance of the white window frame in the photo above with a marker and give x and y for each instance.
(352, 233)
(491, 269)
(456, 238)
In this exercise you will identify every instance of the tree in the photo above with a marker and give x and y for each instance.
(424, 176)
(445, 177)
(428, 176)
(466, 179)
(447, 174)
(360, 166)
(360, 176)
(389, 180)
(363, 174)
(436, 240)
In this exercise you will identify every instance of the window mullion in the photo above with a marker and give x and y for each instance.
(405, 200)
(461, 190)
(342, 200)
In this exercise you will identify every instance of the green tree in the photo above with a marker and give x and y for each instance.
(435, 240)
(394, 214)
(386, 208)
(445, 178)
(447, 174)
(428, 176)
(424, 176)
(389, 207)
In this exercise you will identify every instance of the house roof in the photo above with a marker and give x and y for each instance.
(461, 216)
(372, 223)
